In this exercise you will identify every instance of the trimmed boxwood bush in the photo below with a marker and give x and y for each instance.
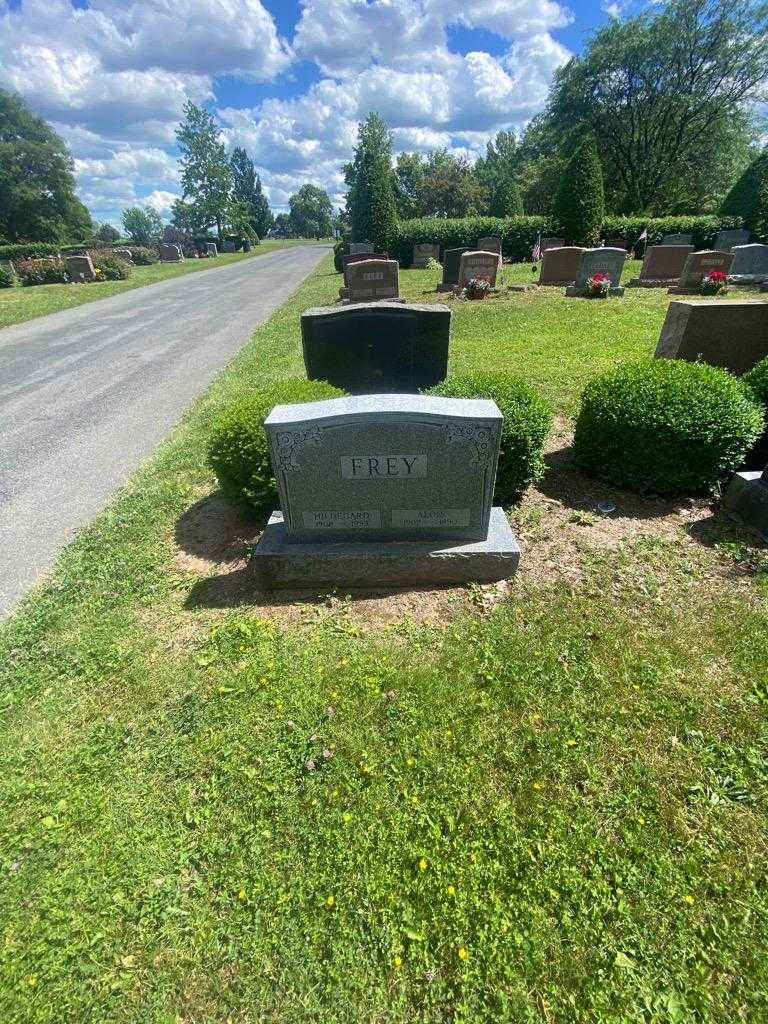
(338, 252)
(142, 256)
(28, 250)
(756, 380)
(527, 422)
(665, 426)
(112, 267)
(237, 448)
(7, 276)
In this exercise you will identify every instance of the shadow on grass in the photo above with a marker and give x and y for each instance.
(566, 483)
(213, 531)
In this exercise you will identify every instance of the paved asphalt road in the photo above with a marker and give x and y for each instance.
(86, 394)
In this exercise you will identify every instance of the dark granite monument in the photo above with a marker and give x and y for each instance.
(663, 265)
(80, 269)
(747, 500)
(480, 265)
(681, 238)
(169, 252)
(697, 266)
(377, 347)
(451, 264)
(733, 335)
(729, 237)
(602, 260)
(360, 248)
(750, 264)
(552, 243)
(385, 490)
(560, 265)
(372, 279)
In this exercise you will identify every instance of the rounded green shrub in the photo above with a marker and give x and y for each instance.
(7, 276)
(338, 252)
(142, 256)
(112, 268)
(756, 380)
(527, 422)
(664, 426)
(238, 452)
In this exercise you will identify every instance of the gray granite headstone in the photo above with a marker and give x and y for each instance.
(750, 264)
(699, 264)
(80, 268)
(169, 252)
(377, 347)
(360, 248)
(746, 499)
(385, 489)
(552, 243)
(423, 252)
(451, 264)
(560, 265)
(227, 245)
(600, 261)
(731, 334)
(369, 280)
(489, 244)
(210, 249)
(358, 258)
(678, 238)
(483, 266)
(663, 264)
(726, 239)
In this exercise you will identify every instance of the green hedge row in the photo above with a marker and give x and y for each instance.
(518, 234)
(28, 250)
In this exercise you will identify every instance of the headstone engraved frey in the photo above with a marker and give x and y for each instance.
(678, 238)
(750, 264)
(560, 265)
(369, 280)
(80, 269)
(423, 252)
(482, 266)
(377, 347)
(389, 489)
(599, 261)
(451, 263)
(732, 334)
(662, 265)
(697, 266)
(169, 252)
(727, 238)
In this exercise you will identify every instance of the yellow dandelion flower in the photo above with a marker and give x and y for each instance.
(410, 762)
(451, 890)
(423, 864)
(463, 954)
(538, 785)
(347, 817)
(398, 961)
(241, 894)
(690, 900)
(570, 743)
(330, 900)
(536, 718)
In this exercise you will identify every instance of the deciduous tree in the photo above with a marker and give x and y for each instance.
(206, 173)
(311, 212)
(142, 224)
(248, 192)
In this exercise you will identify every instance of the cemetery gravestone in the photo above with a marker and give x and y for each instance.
(733, 335)
(552, 243)
(80, 269)
(479, 265)
(377, 347)
(617, 243)
(170, 252)
(360, 248)
(560, 265)
(747, 500)
(123, 254)
(599, 261)
(211, 250)
(451, 264)
(423, 252)
(697, 266)
(355, 258)
(663, 265)
(750, 264)
(490, 244)
(227, 245)
(677, 239)
(372, 279)
(385, 490)
(727, 239)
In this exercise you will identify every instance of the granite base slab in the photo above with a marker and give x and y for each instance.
(747, 500)
(444, 287)
(278, 564)
(573, 292)
(522, 287)
(639, 282)
(360, 302)
(695, 290)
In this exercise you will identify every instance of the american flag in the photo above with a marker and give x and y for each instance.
(537, 250)
(644, 236)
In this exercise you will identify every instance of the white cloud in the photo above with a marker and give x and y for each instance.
(113, 78)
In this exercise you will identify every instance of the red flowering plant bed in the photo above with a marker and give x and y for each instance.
(598, 286)
(714, 283)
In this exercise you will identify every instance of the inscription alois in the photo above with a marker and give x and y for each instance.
(383, 467)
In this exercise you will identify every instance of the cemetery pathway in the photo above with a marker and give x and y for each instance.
(86, 394)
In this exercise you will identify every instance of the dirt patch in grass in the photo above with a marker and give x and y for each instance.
(559, 524)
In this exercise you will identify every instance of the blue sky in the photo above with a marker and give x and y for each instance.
(287, 80)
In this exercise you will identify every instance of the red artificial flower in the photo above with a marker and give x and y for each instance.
(601, 277)
(718, 275)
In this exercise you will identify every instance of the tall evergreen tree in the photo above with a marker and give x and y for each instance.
(745, 198)
(580, 204)
(371, 201)
(497, 173)
(206, 174)
(248, 192)
(37, 188)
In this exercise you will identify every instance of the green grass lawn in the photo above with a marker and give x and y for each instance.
(20, 304)
(545, 801)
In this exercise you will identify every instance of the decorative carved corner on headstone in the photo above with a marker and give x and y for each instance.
(290, 443)
(478, 438)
